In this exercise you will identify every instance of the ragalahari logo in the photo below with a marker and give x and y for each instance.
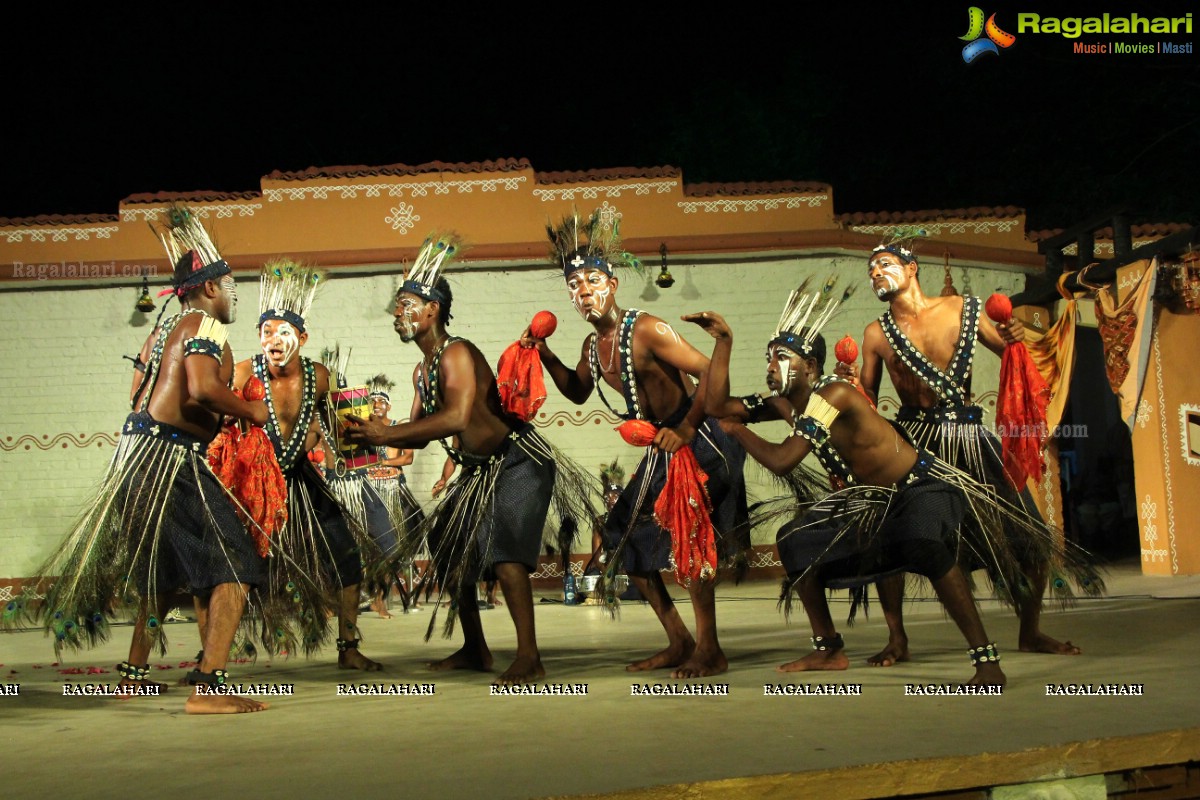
(976, 27)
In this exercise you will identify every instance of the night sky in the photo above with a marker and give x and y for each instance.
(876, 101)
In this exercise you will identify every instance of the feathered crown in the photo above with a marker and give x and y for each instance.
(612, 476)
(190, 249)
(286, 291)
(437, 251)
(798, 328)
(899, 242)
(337, 364)
(577, 245)
(379, 386)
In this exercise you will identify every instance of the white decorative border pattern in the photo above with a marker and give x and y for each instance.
(350, 191)
(1104, 247)
(938, 228)
(1166, 454)
(15, 235)
(152, 213)
(1184, 408)
(732, 205)
(592, 192)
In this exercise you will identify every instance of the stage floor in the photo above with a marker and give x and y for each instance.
(463, 741)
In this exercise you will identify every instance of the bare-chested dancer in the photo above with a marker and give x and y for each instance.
(651, 366)
(916, 526)
(317, 536)
(927, 346)
(491, 518)
(162, 522)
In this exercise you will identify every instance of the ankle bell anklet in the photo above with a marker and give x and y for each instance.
(133, 672)
(984, 654)
(217, 677)
(828, 642)
(347, 644)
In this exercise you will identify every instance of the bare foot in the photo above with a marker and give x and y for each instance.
(1041, 643)
(525, 669)
(675, 654)
(702, 663)
(352, 659)
(464, 659)
(817, 660)
(987, 675)
(222, 704)
(895, 652)
(380, 608)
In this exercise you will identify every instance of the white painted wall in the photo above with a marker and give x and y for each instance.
(63, 381)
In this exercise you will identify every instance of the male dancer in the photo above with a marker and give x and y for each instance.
(492, 516)
(644, 359)
(317, 536)
(915, 518)
(927, 346)
(161, 521)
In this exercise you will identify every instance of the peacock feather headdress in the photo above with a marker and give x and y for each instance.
(191, 250)
(612, 476)
(287, 290)
(592, 244)
(806, 313)
(900, 243)
(436, 253)
(379, 386)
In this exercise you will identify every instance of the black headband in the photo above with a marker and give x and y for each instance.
(291, 317)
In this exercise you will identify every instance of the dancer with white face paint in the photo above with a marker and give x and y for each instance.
(643, 358)
(280, 341)
(927, 345)
(491, 520)
(160, 521)
(319, 540)
(900, 510)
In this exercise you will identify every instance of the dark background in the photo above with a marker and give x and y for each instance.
(874, 100)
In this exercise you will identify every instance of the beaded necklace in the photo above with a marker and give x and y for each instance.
(287, 453)
(950, 386)
(150, 376)
(625, 361)
(429, 384)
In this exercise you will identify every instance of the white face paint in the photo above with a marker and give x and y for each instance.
(886, 272)
(409, 309)
(783, 369)
(279, 341)
(590, 292)
(229, 289)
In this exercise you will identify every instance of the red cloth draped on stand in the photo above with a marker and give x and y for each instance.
(245, 463)
(683, 508)
(1021, 405)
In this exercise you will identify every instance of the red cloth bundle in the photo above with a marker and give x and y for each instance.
(519, 376)
(683, 508)
(245, 463)
(1020, 406)
(846, 352)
